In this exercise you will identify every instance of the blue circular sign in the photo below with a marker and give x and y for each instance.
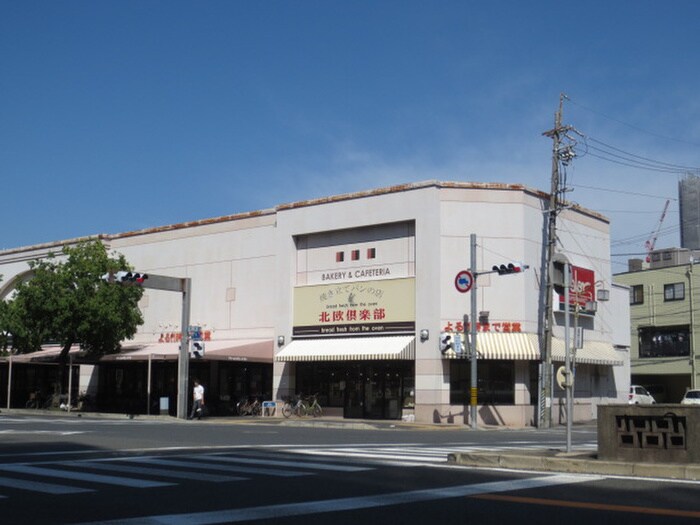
(464, 281)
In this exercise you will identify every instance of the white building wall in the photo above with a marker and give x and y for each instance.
(231, 265)
(244, 270)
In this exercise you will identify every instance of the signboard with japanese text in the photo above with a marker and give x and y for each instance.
(355, 308)
(498, 327)
(581, 289)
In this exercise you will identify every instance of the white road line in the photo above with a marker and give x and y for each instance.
(208, 465)
(152, 471)
(83, 476)
(12, 432)
(278, 463)
(346, 504)
(38, 486)
(406, 455)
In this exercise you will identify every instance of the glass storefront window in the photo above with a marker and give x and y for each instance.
(669, 341)
(495, 380)
(363, 389)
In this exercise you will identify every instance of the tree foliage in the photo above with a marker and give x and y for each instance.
(66, 302)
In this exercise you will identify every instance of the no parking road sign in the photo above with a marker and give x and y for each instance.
(464, 281)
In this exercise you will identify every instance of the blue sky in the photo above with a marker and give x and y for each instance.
(122, 115)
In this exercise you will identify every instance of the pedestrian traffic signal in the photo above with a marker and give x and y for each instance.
(197, 349)
(457, 343)
(511, 267)
(445, 342)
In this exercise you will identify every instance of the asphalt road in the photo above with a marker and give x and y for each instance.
(77, 470)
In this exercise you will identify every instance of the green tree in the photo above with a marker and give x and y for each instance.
(67, 302)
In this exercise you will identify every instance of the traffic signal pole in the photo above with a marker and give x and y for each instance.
(503, 269)
(182, 285)
(472, 380)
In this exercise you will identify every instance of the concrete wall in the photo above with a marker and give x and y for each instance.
(649, 433)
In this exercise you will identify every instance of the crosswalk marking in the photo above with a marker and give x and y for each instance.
(208, 465)
(38, 486)
(83, 476)
(278, 463)
(372, 454)
(154, 471)
(411, 455)
(212, 467)
(233, 466)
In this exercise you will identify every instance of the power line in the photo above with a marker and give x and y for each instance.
(621, 191)
(652, 161)
(632, 126)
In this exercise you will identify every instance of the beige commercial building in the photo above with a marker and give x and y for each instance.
(347, 296)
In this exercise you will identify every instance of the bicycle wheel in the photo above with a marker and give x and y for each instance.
(303, 410)
(287, 410)
(316, 410)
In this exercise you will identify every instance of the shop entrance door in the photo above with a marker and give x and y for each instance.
(373, 392)
(383, 393)
(354, 393)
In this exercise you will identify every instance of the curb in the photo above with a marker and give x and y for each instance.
(322, 422)
(575, 463)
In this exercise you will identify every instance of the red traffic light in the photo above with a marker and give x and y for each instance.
(130, 277)
(512, 267)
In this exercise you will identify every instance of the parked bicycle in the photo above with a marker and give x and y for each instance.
(249, 408)
(302, 407)
(314, 407)
(35, 400)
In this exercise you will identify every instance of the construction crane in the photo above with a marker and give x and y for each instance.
(649, 244)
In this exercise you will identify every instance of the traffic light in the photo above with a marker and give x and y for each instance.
(130, 278)
(511, 267)
(124, 277)
(197, 349)
(445, 342)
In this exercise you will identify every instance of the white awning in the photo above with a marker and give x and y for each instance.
(592, 353)
(526, 347)
(350, 349)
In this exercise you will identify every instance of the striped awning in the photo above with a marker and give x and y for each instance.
(526, 347)
(497, 345)
(592, 353)
(350, 349)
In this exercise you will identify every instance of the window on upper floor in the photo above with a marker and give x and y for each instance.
(637, 294)
(667, 341)
(355, 255)
(674, 292)
(339, 256)
(371, 253)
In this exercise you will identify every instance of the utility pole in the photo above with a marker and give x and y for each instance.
(545, 388)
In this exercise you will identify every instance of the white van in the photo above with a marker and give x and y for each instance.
(639, 396)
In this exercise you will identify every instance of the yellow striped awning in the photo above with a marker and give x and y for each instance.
(498, 345)
(349, 349)
(526, 347)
